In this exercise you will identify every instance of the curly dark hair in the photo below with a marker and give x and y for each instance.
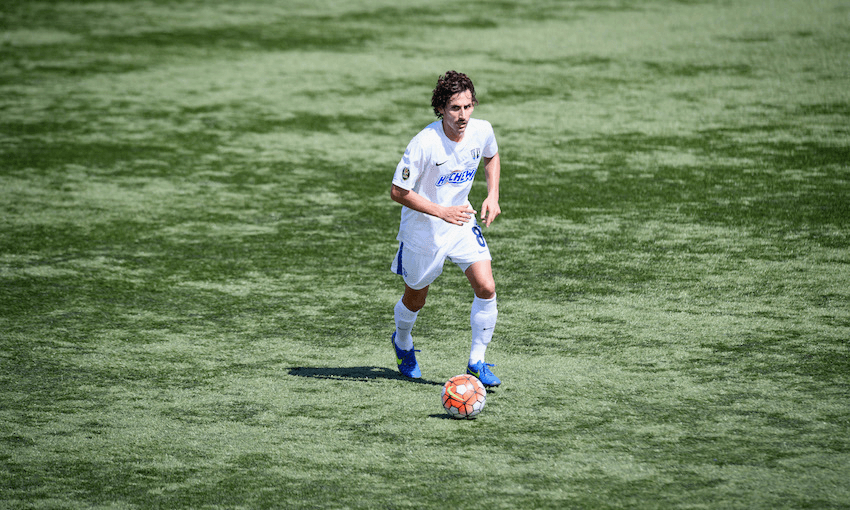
(448, 85)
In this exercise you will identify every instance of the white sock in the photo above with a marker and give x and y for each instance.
(482, 319)
(404, 320)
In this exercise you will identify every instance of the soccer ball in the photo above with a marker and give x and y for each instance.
(464, 396)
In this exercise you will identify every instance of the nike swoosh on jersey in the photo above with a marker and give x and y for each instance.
(443, 163)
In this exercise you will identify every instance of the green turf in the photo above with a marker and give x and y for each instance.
(196, 231)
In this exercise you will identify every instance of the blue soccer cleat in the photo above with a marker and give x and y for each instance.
(482, 371)
(406, 360)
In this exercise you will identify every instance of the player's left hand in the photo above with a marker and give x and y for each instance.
(489, 210)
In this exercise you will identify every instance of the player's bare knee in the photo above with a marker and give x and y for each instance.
(414, 305)
(486, 291)
(414, 300)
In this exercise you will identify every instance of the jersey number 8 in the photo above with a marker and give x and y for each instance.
(479, 236)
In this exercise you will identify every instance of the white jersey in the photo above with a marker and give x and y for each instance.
(441, 171)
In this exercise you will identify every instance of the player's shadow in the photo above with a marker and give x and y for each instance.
(355, 374)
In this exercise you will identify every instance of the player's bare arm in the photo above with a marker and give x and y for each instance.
(490, 208)
(457, 215)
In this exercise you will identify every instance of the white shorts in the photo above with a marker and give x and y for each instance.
(419, 270)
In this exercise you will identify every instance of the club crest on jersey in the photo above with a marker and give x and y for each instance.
(476, 153)
(457, 177)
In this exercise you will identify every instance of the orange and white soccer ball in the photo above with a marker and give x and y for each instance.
(464, 396)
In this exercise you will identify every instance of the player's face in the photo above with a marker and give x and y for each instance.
(456, 114)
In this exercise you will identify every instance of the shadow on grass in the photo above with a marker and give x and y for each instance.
(355, 374)
(444, 416)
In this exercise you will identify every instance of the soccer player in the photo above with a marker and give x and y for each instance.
(432, 183)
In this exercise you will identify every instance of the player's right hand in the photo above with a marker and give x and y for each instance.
(458, 214)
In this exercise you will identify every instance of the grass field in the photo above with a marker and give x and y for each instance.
(196, 232)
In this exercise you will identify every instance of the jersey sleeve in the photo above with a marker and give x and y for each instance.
(410, 167)
(491, 148)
